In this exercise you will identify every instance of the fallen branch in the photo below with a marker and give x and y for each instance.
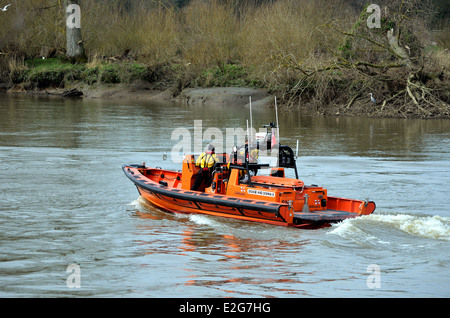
(391, 98)
(353, 100)
(413, 98)
(67, 93)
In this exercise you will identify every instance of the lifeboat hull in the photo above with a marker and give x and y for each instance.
(163, 189)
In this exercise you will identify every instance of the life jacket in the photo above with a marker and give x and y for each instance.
(206, 160)
(252, 154)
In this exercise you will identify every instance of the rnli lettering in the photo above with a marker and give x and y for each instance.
(261, 192)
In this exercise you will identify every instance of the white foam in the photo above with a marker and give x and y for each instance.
(202, 219)
(344, 227)
(432, 227)
(134, 203)
(139, 204)
(349, 228)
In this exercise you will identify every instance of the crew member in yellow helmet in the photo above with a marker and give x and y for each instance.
(205, 162)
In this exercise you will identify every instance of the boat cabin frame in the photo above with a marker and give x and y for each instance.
(286, 159)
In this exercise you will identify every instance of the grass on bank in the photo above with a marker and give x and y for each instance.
(55, 72)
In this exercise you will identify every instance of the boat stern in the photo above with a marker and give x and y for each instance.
(337, 210)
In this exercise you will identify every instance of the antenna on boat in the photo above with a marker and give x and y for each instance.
(296, 151)
(276, 115)
(251, 122)
(248, 133)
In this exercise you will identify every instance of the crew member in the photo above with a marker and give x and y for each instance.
(205, 162)
(252, 153)
(252, 157)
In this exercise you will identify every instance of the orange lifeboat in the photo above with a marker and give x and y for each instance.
(271, 199)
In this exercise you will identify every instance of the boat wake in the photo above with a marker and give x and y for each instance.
(430, 227)
(378, 228)
(202, 220)
(139, 204)
(237, 228)
(216, 222)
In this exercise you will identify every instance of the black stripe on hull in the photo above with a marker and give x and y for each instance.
(199, 198)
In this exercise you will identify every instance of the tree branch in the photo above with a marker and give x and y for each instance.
(387, 49)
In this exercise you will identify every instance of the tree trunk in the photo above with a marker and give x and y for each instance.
(393, 43)
(75, 48)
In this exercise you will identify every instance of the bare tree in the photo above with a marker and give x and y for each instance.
(75, 48)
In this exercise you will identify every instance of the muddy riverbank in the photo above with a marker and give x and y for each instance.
(148, 92)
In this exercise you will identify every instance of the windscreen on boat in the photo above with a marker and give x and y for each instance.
(268, 146)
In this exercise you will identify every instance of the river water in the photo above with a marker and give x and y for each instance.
(72, 225)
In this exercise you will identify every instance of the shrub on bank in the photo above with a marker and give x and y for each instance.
(226, 76)
(109, 74)
(47, 78)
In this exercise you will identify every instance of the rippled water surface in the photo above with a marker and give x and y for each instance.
(64, 200)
